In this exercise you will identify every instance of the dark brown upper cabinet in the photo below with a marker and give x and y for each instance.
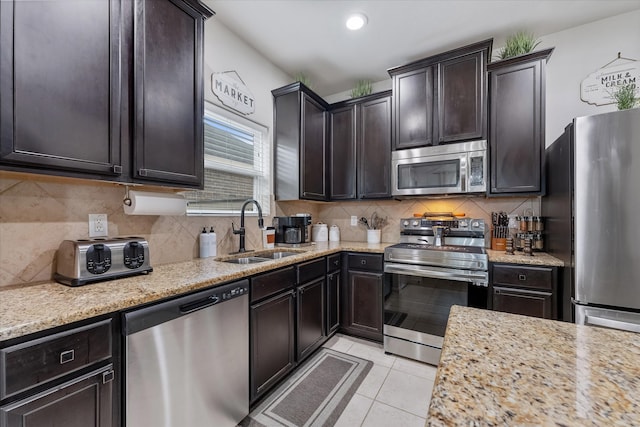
(360, 147)
(441, 99)
(67, 105)
(300, 144)
(517, 123)
(61, 105)
(168, 128)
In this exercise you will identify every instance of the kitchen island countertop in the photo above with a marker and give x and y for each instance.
(505, 369)
(35, 307)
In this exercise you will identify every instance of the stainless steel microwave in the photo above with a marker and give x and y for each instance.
(459, 168)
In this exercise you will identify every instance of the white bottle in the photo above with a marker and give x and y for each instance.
(213, 243)
(204, 243)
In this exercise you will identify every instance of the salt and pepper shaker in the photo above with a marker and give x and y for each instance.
(527, 247)
(509, 249)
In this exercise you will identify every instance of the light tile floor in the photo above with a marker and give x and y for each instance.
(396, 392)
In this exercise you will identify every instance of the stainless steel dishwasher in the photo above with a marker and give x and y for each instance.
(187, 360)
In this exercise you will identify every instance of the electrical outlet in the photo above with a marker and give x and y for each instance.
(354, 220)
(98, 225)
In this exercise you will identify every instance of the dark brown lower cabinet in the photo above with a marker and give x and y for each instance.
(362, 305)
(310, 314)
(525, 289)
(522, 301)
(67, 378)
(272, 341)
(333, 302)
(83, 402)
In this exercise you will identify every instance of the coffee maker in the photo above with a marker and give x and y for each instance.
(292, 229)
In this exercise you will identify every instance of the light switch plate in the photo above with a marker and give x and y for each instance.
(354, 220)
(98, 225)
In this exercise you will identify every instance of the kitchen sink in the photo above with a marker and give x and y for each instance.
(259, 256)
(247, 260)
(278, 255)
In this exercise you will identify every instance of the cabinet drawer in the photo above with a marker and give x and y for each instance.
(271, 283)
(311, 270)
(523, 276)
(35, 362)
(333, 263)
(368, 262)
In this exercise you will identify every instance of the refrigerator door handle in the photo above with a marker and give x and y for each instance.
(611, 323)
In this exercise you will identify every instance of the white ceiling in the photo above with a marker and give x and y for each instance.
(310, 36)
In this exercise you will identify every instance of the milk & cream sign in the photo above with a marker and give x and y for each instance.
(597, 88)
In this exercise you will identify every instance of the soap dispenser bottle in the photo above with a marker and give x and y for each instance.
(213, 243)
(204, 243)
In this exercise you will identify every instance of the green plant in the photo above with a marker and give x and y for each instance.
(302, 78)
(518, 44)
(363, 87)
(625, 96)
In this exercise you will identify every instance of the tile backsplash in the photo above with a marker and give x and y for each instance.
(37, 213)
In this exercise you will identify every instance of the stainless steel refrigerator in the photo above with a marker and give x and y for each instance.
(592, 210)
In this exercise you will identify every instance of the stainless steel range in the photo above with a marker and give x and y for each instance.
(440, 261)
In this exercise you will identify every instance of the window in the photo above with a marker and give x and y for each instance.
(236, 165)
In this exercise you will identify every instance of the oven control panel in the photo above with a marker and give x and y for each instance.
(469, 225)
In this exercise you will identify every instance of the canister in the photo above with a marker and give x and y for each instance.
(319, 232)
(334, 233)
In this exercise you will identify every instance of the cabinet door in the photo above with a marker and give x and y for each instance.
(272, 341)
(461, 98)
(343, 153)
(60, 66)
(521, 301)
(83, 402)
(333, 302)
(374, 149)
(313, 150)
(365, 304)
(169, 107)
(413, 106)
(311, 316)
(516, 136)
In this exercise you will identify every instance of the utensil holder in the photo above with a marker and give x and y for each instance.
(373, 236)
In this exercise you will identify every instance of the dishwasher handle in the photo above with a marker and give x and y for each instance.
(147, 317)
(200, 304)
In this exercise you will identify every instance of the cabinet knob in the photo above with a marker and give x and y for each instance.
(363, 261)
(522, 276)
(336, 262)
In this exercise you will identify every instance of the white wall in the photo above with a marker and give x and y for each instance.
(579, 51)
(224, 51)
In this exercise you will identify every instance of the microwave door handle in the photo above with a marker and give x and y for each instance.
(611, 323)
(464, 170)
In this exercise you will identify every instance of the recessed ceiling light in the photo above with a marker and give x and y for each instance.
(356, 21)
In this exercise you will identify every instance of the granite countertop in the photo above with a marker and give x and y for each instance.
(505, 369)
(538, 258)
(36, 307)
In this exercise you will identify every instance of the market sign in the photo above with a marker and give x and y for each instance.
(598, 87)
(229, 88)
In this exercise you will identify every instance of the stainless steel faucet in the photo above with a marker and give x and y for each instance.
(241, 230)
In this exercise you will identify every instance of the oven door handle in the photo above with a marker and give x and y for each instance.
(479, 278)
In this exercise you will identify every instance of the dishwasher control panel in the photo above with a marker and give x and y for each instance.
(233, 292)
